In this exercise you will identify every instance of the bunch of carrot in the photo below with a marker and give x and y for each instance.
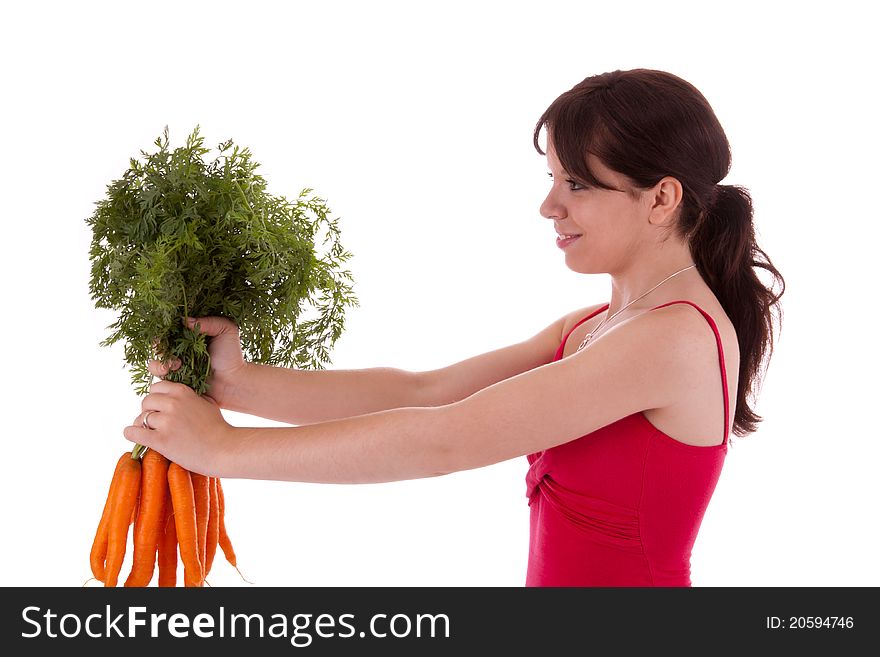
(171, 508)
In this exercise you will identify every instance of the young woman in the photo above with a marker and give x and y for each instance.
(623, 408)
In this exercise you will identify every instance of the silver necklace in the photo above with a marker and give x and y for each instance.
(608, 319)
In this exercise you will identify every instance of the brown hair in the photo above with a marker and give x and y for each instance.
(646, 125)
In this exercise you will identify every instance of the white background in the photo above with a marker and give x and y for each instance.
(414, 121)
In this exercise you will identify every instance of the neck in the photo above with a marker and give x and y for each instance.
(642, 274)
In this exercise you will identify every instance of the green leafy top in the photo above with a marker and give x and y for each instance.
(180, 237)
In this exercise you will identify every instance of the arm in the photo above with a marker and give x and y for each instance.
(309, 396)
(644, 363)
(291, 395)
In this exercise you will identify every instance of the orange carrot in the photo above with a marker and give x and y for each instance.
(202, 494)
(125, 496)
(168, 544)
(98, 553)
(213, 526)
(223, 538)
(183, 501)
(99, 545)
(151, 513)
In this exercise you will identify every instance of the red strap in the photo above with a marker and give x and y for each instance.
(565, 339)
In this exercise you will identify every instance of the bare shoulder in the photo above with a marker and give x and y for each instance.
(695, 326)
(696, 415)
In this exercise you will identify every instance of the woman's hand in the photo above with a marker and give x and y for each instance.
(227, 360)
(185, 428)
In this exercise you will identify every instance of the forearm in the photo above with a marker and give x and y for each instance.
(391, 445)
(310, 396)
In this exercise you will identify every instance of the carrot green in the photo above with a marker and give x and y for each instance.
(178, 235)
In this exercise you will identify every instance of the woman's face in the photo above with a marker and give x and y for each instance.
(610, 224)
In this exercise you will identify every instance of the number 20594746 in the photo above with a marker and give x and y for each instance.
(809, 622)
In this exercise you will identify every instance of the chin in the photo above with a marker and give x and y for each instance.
(583, 268)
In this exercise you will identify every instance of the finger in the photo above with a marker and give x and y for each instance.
(170, 388)
(143, 436)
(212, 325)
(158, 368)
(156, 421)
(158, 402)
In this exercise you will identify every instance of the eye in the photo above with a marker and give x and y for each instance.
(573, 185)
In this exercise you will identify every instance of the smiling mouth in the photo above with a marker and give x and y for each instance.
(563, 241)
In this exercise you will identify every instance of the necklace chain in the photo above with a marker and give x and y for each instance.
(608, 319)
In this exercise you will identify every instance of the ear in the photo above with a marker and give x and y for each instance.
(665, 198)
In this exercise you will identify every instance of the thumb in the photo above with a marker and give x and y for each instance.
(212, 325)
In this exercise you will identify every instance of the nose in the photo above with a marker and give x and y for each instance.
(551, 208)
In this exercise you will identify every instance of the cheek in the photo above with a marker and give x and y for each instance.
(608, 237)
(619, 221)
(598, 226)
(607, 219)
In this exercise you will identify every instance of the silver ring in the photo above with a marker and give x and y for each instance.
(146, 417)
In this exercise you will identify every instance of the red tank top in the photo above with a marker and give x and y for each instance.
(620, 506)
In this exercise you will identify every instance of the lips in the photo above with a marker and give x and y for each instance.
(563, 240)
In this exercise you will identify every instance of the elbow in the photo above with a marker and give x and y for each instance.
(443, 461)
(445, 446)
(424, 389)
(431, 475)
(431, 389)
(450, 452)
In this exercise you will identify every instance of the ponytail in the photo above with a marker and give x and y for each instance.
(724, 248)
